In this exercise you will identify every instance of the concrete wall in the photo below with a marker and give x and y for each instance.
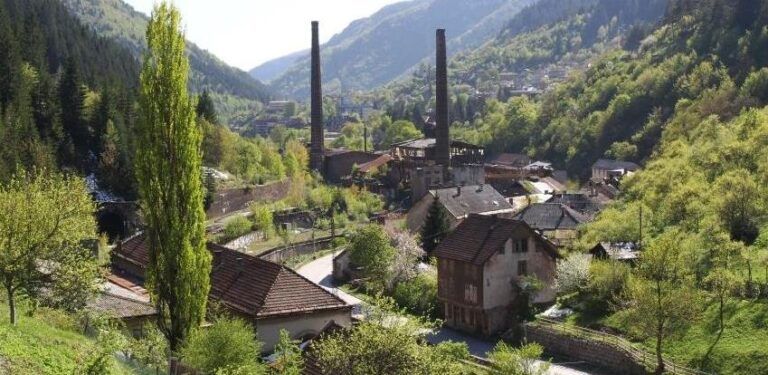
(227, 201)
(299, 325)
(605, 355)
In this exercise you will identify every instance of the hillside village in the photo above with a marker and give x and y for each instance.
(600, 211)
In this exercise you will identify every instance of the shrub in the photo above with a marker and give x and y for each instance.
(229, 345)
(236, 227)
(418, 295)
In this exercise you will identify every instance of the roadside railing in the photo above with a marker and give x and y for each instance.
(640, 356)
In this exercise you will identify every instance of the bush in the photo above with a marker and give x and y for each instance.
(226, 347)
(418, 295)
(236, 227)
(607, 282)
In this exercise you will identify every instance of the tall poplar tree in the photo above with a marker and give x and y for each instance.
(168, 170)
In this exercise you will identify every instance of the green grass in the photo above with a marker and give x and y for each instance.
(47, 343)
(743, 348)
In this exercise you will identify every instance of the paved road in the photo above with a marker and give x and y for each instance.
(320, 272)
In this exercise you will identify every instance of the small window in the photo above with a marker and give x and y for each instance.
(521, 246)
(522, 268)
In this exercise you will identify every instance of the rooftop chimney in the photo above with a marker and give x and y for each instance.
(317, 138)
(443, 151)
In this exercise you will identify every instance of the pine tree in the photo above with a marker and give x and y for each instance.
(435, 226)
(168, 165)
(206, 109)
(72, 99)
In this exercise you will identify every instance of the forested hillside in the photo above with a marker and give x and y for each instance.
(373, 51)
(547, 35)
(232, 90)
(66, 94)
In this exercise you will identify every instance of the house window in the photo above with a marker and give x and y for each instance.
(447, 311)
(521, 246)
(522, 268)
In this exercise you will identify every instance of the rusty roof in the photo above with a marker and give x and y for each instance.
(248, 284)
(478, 237)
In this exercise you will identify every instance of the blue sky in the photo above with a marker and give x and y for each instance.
(246, 33)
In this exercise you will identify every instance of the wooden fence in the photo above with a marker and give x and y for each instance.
(638, 355)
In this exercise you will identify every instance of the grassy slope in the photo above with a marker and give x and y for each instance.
(743, 348)
(44, 344)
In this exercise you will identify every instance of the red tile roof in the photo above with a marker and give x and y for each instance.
(247, 284)
(478, 237)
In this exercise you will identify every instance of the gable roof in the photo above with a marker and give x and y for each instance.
(478, 237)
(474, 199)
(577, 201)
(117, 301)
(248, 284)
(551, 216)
(610, 164)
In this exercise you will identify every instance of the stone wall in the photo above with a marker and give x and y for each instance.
(280, 254)
(231, 200)
(603, 354)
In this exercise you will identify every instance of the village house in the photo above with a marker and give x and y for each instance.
(556, 221)
(270, 296)
(125, 301)
(459, 202)
(605, 169)
(479, 267)
(579, 202)
(626, 252)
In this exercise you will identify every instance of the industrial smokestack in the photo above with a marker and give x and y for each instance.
(316, 148)
(443, 143)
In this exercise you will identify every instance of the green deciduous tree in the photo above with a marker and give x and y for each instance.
(168, 170)
(369, 248)
(435, 226)
(664, 300)
(45, 220)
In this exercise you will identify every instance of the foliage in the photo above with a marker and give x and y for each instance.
(418, 295)
(229, 345)
(168, 167)
(399, 131)
(387, 343)
(263, 219)
(518, 361)
(435, 226)
(235, 227)
(370, 249)
(46, 220)
(572, 273)
(664, 300)
(289, 356)
(407, 256)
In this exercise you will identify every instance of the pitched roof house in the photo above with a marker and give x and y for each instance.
(479, 267)
(607, 168)
(556, 221)
(270, 295)
(459, 202)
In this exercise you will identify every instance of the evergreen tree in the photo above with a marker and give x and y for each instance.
(168, 164)
(72, 99)
(435, 226)
(206, 109)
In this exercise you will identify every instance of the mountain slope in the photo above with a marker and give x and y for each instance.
(118, 20)
(372, 51)
(273, 68)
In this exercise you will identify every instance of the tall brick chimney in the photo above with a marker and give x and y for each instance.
(316, 154)
(443, 143)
